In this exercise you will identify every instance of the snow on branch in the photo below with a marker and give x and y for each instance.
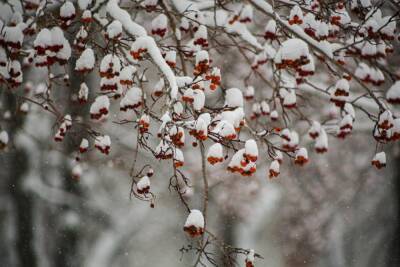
(244, 33)
(144, 41)
(322, 47)
(123, 16)
(185, 5)
(147, 43)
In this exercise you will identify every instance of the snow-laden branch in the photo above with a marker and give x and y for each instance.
(148, 42)
(219, 18)
(366, 104)
(321, 47)
(244, 33)
(190, 6)
(123, 16)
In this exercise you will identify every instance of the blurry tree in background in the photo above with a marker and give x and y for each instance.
(200, 133)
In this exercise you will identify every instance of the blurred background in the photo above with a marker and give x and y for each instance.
(335, 211)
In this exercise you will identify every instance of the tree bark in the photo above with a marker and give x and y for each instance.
(23, 205)
(393, 256)
(68, 238)
(14, 166)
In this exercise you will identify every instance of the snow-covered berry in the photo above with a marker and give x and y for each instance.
(194, 224)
